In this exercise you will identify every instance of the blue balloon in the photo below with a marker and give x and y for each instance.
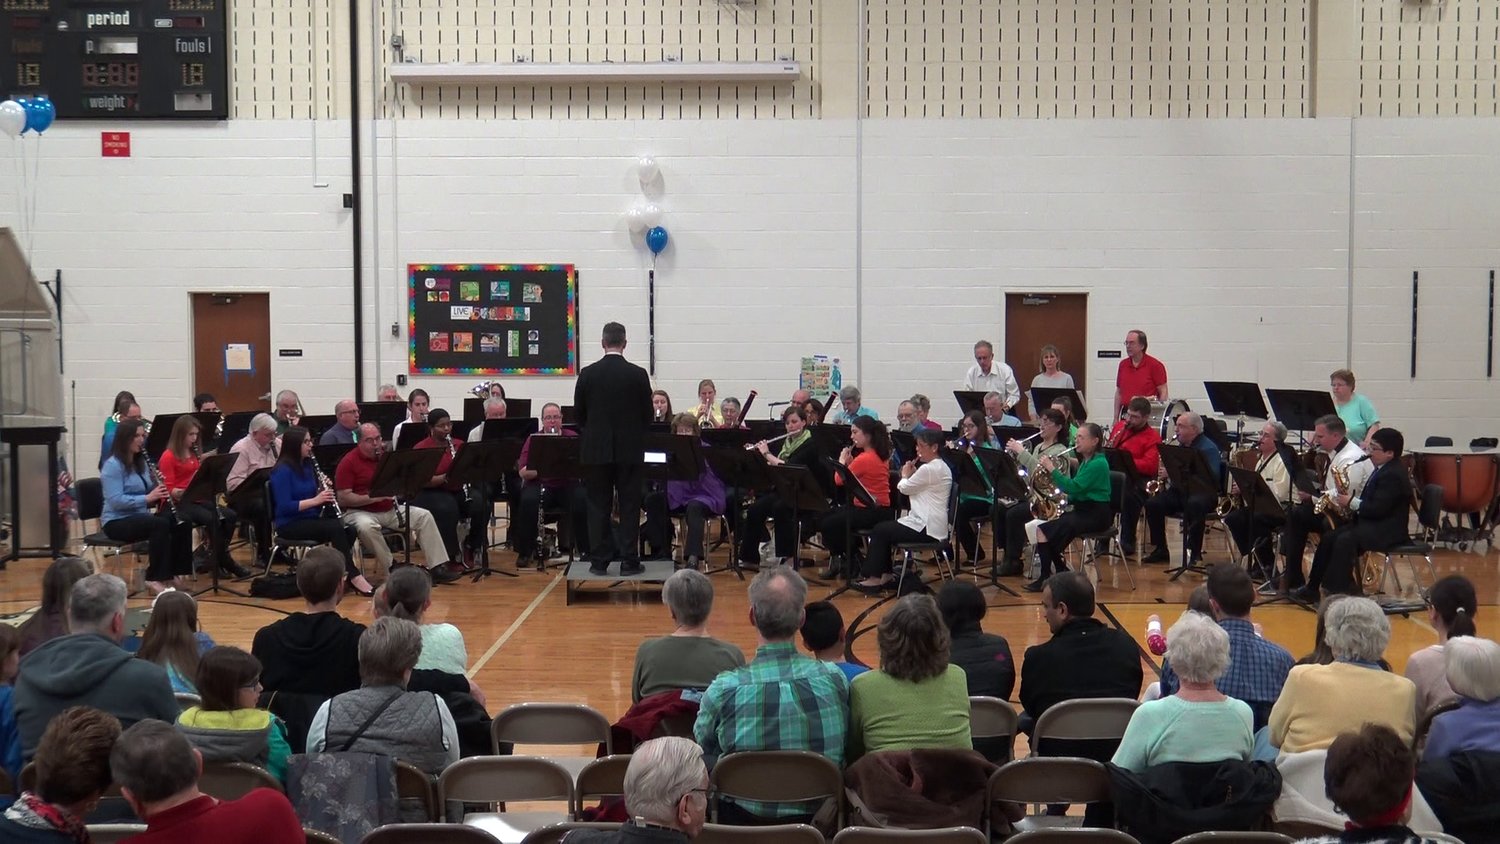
(40, 114)
(656, 240)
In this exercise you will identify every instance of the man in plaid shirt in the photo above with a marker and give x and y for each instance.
(782, 700)
(1257, 668)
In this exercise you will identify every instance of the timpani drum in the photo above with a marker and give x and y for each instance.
(1470, 480)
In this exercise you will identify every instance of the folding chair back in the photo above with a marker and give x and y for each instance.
(948, 835)
(1235, 838)
(1053, 779)
(497, 779)
(1075, 835)
(233, 780)
(414, 783)
(1084, 719)
(550, 723)
(792, 833)
(555, 833)
(428, 833)
(993, 718)
(601, 778)
(779, 776)
(109, 833)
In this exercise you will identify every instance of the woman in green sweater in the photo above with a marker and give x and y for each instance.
(1088, 494)
(916, 699)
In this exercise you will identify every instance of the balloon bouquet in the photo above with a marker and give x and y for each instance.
(17, 117)
(26, 114)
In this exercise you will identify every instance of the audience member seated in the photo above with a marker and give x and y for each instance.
(1198, 723)
(89, 668)
(688, 658)
(382, 716)
(72, 773)
(984, 657)
(916, 699)
(157, 771)
(1257, 668)
(823, 635)
(229, 726)
(310, 656)
(1085, 658)
(1321, 654)
(51, 618)
(173, 640)
(1368, 775)
(10, 739)
(666, 794)
(1308, 715)
(1451, 612)
(1474, 675)
(811, 697)
(408, 593)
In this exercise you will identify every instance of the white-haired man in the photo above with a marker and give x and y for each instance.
(988, 374)
(256, 450)
(1173, 500)
(288, 411)
(666, 794)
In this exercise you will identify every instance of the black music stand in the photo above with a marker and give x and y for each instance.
(727, 437)
(974, 480)
(251, 490)
(477, 464)
(1260, 501)
(316, 425)
(236, 428)
(569, 414)
(555, 458)
(1188, 470)
(857, 493)
(1240, 399)
(1299, 410)
(903, 445)
(799, 487)
(403, 475)
(969, 400)
(161, 429)
(382, 413)
(1006, 433)
(207, 485)
(831, 438)
(765, 429)
(739, 468)
(329, 456)
(411, 434)
(1043, 397)
(510, 429)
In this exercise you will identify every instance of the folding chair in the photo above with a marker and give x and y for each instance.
(778, 776)
(90, 509)
(947, 835)
(1235, 838)
(497, 779)
(599, 779)
(1424, 726)
(993, 718)
(414, 783)
(233, 780)
(1430, 517)
(555, 833)
(1084, 719)
(294, 548)
(110, 833)
(791, 833)
(427, 833)
(553, 723)
(942, 551)
(1077, 835)
(1055, 779)
(1110, 536)
(313, 836)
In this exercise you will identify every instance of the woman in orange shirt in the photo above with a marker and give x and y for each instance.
(178, 464)
(871, 470)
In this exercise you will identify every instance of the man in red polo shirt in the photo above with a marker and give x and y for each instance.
(1135, 435)
(157, 771)
(1140, 374)
(369, 515)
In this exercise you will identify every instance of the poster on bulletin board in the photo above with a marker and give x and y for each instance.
(493, 319)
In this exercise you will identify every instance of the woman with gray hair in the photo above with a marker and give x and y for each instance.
(1320, 701)
(1474, 674)
(689, 658)
(666, 794)
(1199, 723)
(382, 716)
(917, 699)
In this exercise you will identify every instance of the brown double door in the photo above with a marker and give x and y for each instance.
(1033, 320)
(232, 349)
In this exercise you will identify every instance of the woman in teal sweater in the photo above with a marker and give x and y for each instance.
(916, 699)
(1088, 494)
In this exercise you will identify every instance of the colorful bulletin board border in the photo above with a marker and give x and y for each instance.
(556, 324)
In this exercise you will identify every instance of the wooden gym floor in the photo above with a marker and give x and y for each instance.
(525, 644)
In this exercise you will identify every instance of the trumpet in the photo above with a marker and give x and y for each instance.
(705, 415)
(753, 446)
(324, 483)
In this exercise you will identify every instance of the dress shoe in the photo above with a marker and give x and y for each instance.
(834, 569)
(470, 555)
(694, 563)
(1036, 585)
(868, 589)
(1127, 550)
(1009, 568)
(234, 570)
(444, 574)
(1157, 555)
(599, 568)
(1304, 595)
(349, 582)
(631, 569)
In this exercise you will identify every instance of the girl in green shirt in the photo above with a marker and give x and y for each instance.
(1088, 494)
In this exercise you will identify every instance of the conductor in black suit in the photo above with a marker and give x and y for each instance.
(1381, 513)
(613, 402)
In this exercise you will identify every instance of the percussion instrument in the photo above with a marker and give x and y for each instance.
(1471, 484)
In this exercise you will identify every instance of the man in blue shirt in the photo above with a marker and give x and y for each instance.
(1173, 500)
(1257, 668)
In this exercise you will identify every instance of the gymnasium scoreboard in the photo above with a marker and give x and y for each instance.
(128, 59)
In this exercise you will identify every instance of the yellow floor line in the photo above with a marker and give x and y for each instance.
(514, 626)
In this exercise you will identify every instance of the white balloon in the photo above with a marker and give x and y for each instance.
(648, 170)
(12, 118)
(635, 218)
(651, 214)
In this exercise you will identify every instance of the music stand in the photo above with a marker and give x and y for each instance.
(798, 487)
(249, 489)
(739, 468)
(236, 428)
(207, 485)
(569, 414)
(411, 434)
(316, 425)
(477, 464)
(329, 456)
(1188, 471)
(1260, 501)
(382, 413)
(857, 493)
(510, 429)
(969, 400)
(1043, 397)
(1240, 399)
(727, 437)
(554, 458)
(903, 445)
(672, 457)
(1299, 410)
(161, 429)
(974, 480)
(403, 475)
(832, 439)
(764, 429)
(1006, 433)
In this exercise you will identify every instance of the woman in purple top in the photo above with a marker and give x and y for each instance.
(1474, 674)
(697, 499)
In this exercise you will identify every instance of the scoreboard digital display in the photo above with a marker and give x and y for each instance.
(129, 59)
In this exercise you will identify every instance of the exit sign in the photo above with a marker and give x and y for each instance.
(115, 144)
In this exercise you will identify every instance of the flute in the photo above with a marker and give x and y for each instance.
(753, 446)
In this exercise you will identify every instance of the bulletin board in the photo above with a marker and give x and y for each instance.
(493, 319)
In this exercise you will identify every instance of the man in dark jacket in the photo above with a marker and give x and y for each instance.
(1085, 657)
(1381, 512)
(89, 668)
(613, 402)
(310, 656)
(666, 794)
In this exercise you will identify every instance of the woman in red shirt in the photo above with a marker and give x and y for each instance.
(870, 468)
(178, 464)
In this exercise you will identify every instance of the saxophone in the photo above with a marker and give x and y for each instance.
(1158, 484)
(1327, 505)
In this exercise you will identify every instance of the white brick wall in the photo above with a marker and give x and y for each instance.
(1226, 240)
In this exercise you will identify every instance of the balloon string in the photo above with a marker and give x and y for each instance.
(36, 171)
(21, 193)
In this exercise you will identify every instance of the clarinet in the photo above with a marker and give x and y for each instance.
(324, 483)
(453, 455)
(154, 473)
